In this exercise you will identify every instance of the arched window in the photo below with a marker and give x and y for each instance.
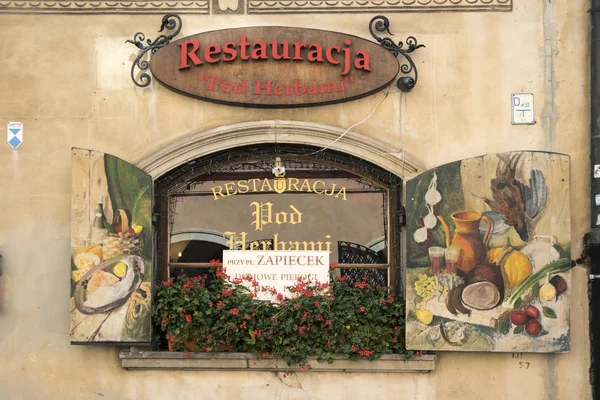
(327, 200)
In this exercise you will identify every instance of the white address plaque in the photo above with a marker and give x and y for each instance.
(522, 109)
(276, 269)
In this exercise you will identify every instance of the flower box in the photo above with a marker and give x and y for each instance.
(353, 320)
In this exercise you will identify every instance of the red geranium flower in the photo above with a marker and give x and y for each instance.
(365, 353)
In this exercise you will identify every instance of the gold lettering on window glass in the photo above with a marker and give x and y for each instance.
(237, 242)
(263, 213)
(279, 185)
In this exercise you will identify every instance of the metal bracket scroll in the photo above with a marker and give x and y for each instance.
(405, 83)
(171, 22)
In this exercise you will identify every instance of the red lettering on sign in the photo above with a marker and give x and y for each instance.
(210, 51)
(229, 51)
(347, 62)
(330, 58)
(315, 53)
(191, 54)
(244, 47)
(259, 87)
(299, 89)
(260, 51)
(276, 50)
(284, 55)
(362, 61)
(297, 49)
(214, 81)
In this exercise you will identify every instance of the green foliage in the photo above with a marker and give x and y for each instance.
(355, 320)
(130, 189)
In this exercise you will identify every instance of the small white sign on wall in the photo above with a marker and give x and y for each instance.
(14, 134)
(522, 109)
(276, 270)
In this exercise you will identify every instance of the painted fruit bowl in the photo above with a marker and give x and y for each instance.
(109, 285)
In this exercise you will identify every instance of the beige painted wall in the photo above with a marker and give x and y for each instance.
(67, 79)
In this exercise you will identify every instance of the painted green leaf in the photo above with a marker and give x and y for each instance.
(130, 189)
(125, 182)
(518, 303)
(535, 290)
(548, 312)
(503, 326)
(519, 329)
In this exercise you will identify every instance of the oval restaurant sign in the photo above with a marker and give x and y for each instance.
(274, 67)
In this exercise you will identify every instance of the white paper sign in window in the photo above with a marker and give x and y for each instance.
(278, 270)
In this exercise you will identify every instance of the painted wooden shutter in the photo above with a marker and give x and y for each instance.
(511, 291)
(111, 262)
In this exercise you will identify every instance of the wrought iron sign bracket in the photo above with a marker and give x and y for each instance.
(171, 22)
(381, 23)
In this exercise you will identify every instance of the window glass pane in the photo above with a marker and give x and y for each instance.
(343, 215)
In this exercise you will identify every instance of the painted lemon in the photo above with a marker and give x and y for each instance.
(424, 316)
(138, 229)
(78, 274)
(120, 269)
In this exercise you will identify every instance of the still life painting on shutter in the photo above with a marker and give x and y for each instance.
(489, 255)
(111, 250)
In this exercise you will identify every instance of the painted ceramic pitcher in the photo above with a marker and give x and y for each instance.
(467, 239)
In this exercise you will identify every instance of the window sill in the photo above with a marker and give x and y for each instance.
(139, 359)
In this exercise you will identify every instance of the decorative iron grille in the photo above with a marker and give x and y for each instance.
(354, 253)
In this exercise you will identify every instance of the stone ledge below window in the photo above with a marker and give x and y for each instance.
(396, 363)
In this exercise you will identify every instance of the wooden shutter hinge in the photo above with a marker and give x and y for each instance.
(402, 216)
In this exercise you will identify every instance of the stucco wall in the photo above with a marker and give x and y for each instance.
(67, 79)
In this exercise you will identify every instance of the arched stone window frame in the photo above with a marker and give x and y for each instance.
(319, 136)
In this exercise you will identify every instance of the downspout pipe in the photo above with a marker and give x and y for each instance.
(592, 240)
(594, 236)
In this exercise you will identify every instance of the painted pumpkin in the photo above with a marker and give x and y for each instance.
(515, 265)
